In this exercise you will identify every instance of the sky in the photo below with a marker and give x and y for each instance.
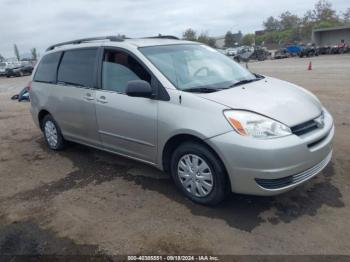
(40, 23)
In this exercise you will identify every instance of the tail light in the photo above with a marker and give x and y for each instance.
(29, 85)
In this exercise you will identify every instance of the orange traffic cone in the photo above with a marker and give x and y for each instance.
(310, 66)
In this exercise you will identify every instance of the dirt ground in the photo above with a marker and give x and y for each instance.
(84, 201)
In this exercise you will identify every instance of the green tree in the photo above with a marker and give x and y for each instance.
(346, 16)
(230, 39)
(212, 42)
(248, 39)
(289, 21)
(16, 52)
(206, 39)
(34, 53)
(323, 11)
(190, 35)
(325, 24)
(272, 24)
(203, 38)
(320, 17)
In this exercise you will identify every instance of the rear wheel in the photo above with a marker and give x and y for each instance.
(52, 133)
(199, 174)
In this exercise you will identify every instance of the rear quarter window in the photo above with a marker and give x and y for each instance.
(78, 67)
(47, 68)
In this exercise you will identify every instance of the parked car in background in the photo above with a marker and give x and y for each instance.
(232, 51)
(309, 50)
(280, 54)
(324, 50)
(340, 48)
(4, 66)
(19, 71)
(293, 50)
(184, 108)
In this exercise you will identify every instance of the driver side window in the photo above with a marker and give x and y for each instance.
(118, 69)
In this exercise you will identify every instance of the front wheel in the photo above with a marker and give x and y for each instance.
(199, 174)
(52, 133)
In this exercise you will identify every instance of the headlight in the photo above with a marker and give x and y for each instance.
(254, 125)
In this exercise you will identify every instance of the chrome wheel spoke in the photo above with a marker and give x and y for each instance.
(187, 182)
(206, 185)
(193, 188)
(201, 190)
(205, 177)
(203, 167)
(188, 162)
(195, 161)
(183, 165)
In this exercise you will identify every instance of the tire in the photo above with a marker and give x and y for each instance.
(52, 133)
(190, 181)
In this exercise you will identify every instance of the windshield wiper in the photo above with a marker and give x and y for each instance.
(202, 89)
(245, 81)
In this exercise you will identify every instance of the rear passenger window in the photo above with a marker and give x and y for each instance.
(118, 69)
(47, 68)
(78, 67)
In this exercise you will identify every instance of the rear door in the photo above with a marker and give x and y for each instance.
(127, 125)
(72, 99)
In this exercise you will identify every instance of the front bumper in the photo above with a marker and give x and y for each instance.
(273, 166)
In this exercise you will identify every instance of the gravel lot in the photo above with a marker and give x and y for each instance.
(84, 201)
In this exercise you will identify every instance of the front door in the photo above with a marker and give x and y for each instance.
(127, 125)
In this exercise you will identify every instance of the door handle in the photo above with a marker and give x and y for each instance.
(102, 100)
(89, 97)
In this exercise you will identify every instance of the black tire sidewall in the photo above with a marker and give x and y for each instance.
(221, 183)
(60, 140)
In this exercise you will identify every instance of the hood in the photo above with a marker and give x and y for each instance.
(277, 99)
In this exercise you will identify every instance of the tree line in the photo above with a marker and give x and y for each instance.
(191, 35)
(34, 54)
(286, 28)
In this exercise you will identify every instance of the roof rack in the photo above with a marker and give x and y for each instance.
(164, 37)
(83, 40)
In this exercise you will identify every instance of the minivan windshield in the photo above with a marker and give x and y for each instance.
(197, 68)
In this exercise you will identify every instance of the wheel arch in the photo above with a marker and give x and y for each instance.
(41, 115)
(178, 139)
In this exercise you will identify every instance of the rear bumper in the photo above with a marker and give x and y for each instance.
(274, 166)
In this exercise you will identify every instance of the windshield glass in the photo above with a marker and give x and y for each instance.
(196, 66)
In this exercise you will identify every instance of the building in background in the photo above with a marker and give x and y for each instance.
(331, 36)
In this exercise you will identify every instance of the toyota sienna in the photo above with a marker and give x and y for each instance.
(184, 108)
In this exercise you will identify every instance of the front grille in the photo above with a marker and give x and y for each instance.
(293, 179)
(304, 128)
(309, 126)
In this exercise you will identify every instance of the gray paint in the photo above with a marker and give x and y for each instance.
(139, 128)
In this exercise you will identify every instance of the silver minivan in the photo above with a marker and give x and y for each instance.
(184, 108)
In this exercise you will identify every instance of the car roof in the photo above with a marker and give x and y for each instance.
(128, 42)
(143, 42)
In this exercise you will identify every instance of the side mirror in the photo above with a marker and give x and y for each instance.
(139, 88)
